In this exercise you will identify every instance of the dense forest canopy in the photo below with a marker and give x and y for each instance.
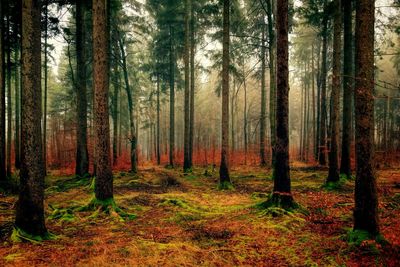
(249, 99)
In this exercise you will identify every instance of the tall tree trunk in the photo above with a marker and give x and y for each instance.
(245, 123)
(282, 194)
(192, 80)
(29, 209)
(115, 99)
(133, 134)
(263, 161)
(366, 198)
(17, 109)
(2, 102)
(158, 121)
(186, 153)
(272, 76)
(104, 176)
(313, 102)
(224, 167)
(82, 155)
(45, 90)
(322, 133)
(171, 97)
(333, 174)
(345, 164)
(9, 103)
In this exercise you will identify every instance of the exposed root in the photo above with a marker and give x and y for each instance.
(108, 207)
(19, 235)
(280, 200)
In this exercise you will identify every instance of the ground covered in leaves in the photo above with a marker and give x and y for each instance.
(184, 220)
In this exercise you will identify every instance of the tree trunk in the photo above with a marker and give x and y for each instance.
(82, 156)
(333, 175)
(133, 137)
(282, 194)
(263, 161)
(245, 123)
(322, 133)
(115, 98)
(345, 164)
(313, 102)
(272, 76)
(29, 209)
(224, 167)
(158, 121)
(9, 103)
(104, 176)
(17, 110)
(171, 98)
(186, 153)
(192, 80)
(366, 198)
(45, 90)
(2, 103)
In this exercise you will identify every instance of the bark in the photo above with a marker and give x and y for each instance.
(82, 156)
(345, 164)
(104, 177)
(29, 207)
(263, 161)
(2, 103)
(282, 190)
(366, 198)
(133, 134)
(245, 123)
(186, 156)
(322, 133)
(224, 167)
(333, 175)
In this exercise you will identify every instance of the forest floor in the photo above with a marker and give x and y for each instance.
(186, 221)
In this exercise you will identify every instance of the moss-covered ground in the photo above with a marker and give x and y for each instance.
(185, 220)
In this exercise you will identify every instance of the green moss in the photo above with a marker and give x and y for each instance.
(226, 186)
(279, 200)
(107, 206)
(334, 186)
(13, 256)
(357, 237)
(19, 235)
(62, 214)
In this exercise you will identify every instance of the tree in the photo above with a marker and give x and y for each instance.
(29, 210)
(186, 157)
(282, 193)
(82, 155)
(263, 100)
(333, 175)
(366, 198)
(104, 177)
(224, 178)
(345, 163)
(2, 102)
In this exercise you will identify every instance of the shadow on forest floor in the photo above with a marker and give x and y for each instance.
(186, 220)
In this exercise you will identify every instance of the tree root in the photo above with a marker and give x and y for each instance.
(18, 235)
(108, 207)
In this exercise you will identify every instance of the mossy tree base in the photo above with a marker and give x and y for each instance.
(358, 237)
(108, 207)
(226, 186)
(280, 200)
(18, 235)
